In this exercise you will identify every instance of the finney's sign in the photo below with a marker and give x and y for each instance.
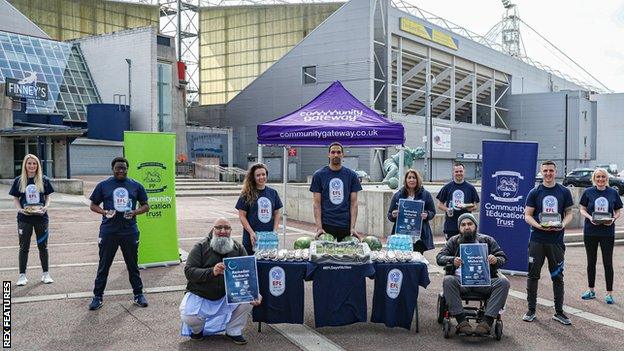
(27, 88)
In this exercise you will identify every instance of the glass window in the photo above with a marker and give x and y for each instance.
(309, 75)
(164, 97)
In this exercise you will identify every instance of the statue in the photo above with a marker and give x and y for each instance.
(391, 165)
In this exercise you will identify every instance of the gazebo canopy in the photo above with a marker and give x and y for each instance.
(334, 115)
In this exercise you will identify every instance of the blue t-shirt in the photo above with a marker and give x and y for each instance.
(335, 188)
(339, 293)
(281, 287)
(454, 193)
(595, 200)
(548, 200)
(260, 213)
(32, 197)
(119, 195)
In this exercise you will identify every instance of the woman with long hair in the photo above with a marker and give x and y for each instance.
(31, 196)
(600, 198)
(258, 206)
(413, 189)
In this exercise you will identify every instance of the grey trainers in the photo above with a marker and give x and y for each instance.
(562, 318)
(464, 328)
(529, 316)
(21, 280)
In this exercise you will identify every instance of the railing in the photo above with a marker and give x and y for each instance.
(185, 169)
(217, 172)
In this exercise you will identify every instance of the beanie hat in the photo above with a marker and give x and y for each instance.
(467, 216)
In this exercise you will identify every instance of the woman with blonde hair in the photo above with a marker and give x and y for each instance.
(258, 206)
(413, 189)
(600, 198)
(31, 196)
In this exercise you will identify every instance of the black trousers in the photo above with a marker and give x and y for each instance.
(24, 231)
(108, 245)
(538, 253)
(337, 232)
(591, 248)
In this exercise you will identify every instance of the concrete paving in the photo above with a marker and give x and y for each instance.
(59, 320)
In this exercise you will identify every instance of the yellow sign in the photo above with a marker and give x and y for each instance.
(413, 27)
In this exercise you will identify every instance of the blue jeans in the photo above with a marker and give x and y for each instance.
(108, 245)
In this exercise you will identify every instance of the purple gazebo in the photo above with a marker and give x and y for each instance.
(334, 115)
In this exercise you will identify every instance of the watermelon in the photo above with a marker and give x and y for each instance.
(373, 242)
(303, 242)
(327, 237)
(350, 238)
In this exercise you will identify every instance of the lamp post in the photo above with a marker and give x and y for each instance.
(429, 80)
(129, 61)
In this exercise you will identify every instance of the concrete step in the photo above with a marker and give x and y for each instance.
(195, 193)
(208, 187)
(197, 180)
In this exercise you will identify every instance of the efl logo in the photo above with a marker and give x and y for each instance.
(6, 314)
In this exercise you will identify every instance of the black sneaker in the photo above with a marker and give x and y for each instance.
(529, 316)
(96, 303)
(197, 336)
(562, 318)
(140, 300)
(237, 339)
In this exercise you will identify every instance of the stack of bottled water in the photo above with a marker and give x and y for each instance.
(400, 242)
(266, 241)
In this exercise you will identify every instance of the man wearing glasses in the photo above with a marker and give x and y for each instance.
(122, 199)
(204, 309)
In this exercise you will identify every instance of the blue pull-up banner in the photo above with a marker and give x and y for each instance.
(508, 176)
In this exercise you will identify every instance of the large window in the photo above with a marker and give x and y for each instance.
(164, 97)
(309, 75)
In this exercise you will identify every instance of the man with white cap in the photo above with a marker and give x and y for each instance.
(452, 288)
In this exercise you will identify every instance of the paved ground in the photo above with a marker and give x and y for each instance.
(62, 322)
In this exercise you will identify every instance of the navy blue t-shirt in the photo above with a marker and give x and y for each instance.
(119, 195)
(32, 197)
(281, 287)
(595, 200)
(548, 200)
(260, 213)
(339, 293)
(454, 193)
(335, 188)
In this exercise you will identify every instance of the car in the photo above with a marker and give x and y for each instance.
(581, 177)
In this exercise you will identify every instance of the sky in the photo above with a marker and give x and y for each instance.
(590, 32)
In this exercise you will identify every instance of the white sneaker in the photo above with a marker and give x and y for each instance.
(21, 281)
(46, 279)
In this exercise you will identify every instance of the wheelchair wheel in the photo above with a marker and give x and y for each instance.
(498, 329)
(446, 328)
(441, 308)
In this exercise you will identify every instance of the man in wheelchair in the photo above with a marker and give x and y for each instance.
(496, 294)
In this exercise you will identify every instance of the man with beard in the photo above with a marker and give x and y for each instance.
(335, 196)
(119, 196)
(452, 288)
(456, 198)
(204, 309)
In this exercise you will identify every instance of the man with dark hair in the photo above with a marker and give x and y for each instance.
(119, 196)
(456, 198)
(204, 309)
(335, 191)
(550, 199)
(452, 288)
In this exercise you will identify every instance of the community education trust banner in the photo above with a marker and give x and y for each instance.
(152, 163)
(508, 176)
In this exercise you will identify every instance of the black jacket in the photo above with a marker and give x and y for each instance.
(451, 250)
(198, 269)
(425, 233)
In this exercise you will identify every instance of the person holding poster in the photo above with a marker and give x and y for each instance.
(546, 204)
(31, 197)
(335, 189)
(119, 196)
(601, 206)
(456, 198)
(413, 190)
(258, 206)
(499, 289)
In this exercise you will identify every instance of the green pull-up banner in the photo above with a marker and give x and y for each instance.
(152, 163)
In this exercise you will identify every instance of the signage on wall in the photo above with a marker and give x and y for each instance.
(431, 34)
(27, 88)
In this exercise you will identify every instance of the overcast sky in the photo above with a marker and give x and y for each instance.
(590, 32)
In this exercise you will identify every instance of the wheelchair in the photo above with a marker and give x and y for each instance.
(472, 313)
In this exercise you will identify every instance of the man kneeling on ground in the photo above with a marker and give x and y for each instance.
(497, 292)
(204, 308)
